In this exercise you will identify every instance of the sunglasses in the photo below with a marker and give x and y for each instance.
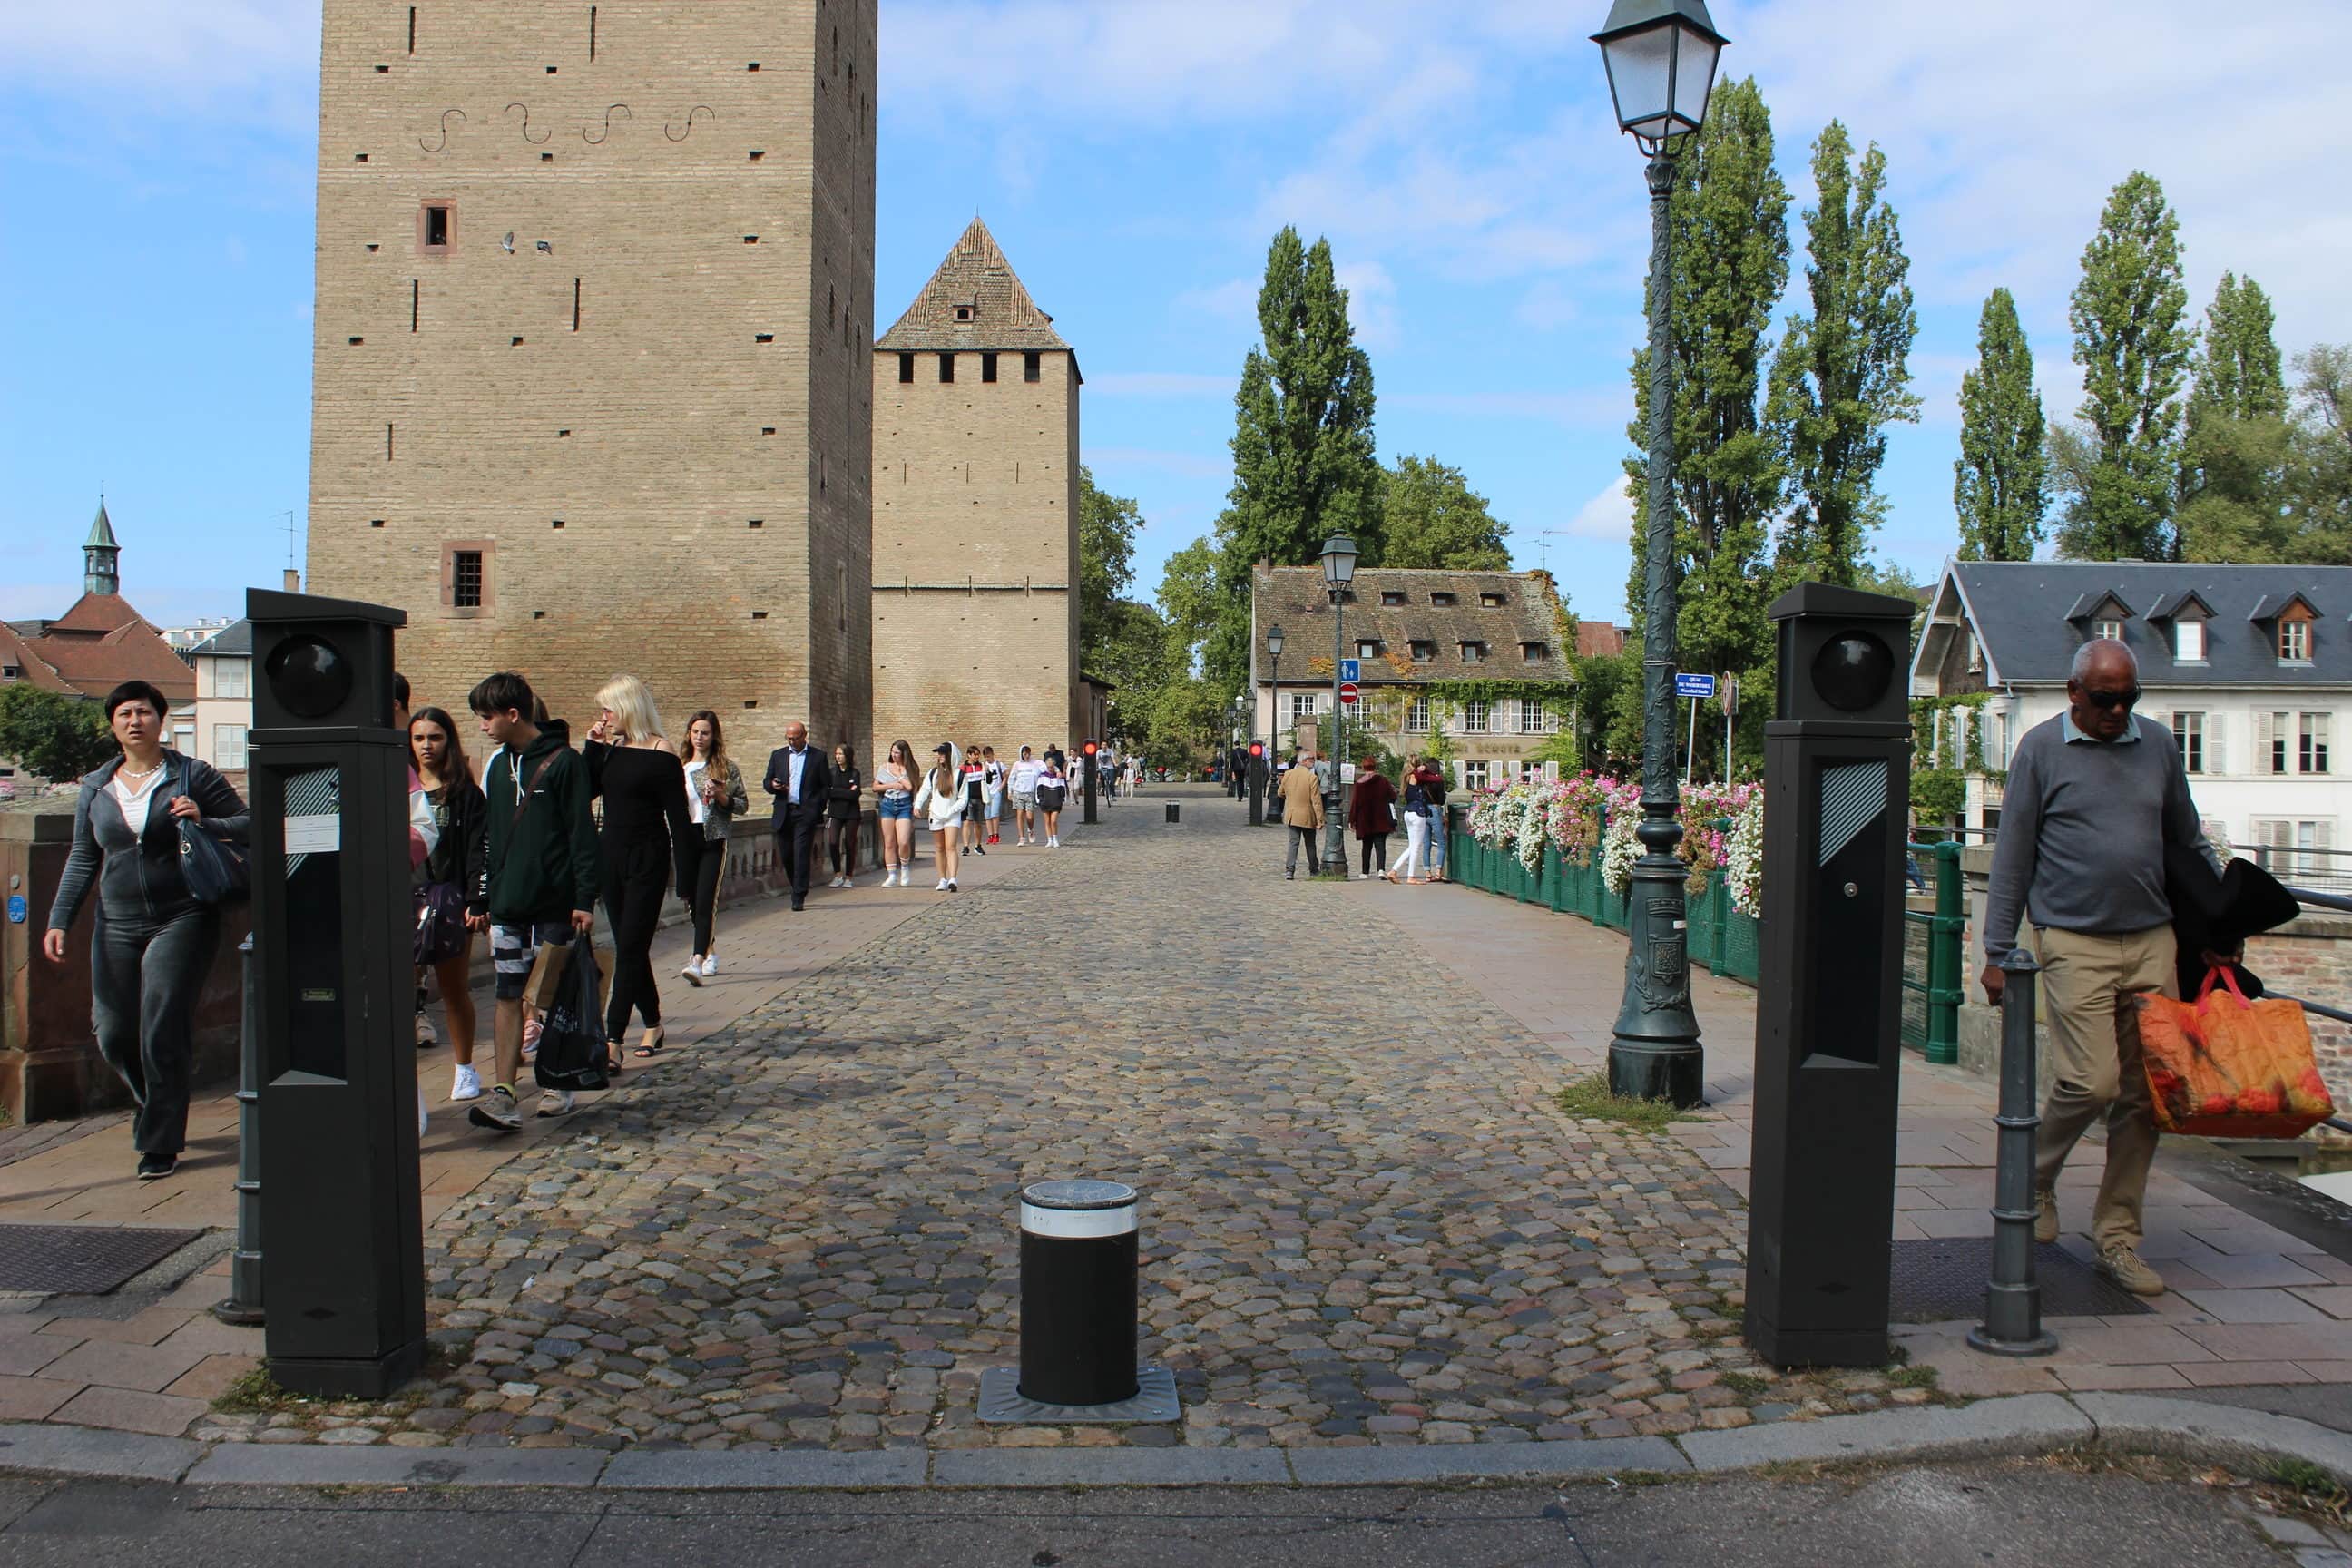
(2109, 699)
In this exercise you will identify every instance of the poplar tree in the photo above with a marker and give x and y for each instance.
(1304, 467)
(1728, 212)
(2000, 483)
(2133, 343)
(2320, 472)
(1431, 519)
(2234, 448)
(1843, 373)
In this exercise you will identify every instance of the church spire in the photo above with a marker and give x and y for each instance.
(100, 556)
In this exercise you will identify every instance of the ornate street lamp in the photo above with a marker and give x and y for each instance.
(1339, 570)
(1274, 703)
(1660, 55)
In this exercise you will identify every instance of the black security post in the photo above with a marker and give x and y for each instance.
(243, 1307)
(1256, 784)
(1090, 748)
(1837, 773)
(2012, 1320)
(327, 779)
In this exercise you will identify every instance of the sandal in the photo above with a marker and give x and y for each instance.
(652, 1044)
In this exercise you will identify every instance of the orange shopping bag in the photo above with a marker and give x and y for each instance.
(2222, 1066)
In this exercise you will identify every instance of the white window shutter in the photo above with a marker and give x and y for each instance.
(2323, 833)
(2215, 757)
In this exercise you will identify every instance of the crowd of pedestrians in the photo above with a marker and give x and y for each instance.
(1377, 807)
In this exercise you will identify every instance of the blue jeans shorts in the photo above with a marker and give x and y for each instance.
(895, 807)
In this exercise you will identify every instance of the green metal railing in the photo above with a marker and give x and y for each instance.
(1933, 977)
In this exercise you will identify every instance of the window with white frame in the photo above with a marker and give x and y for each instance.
(2110, 631)
(1531, 715)
(2294, 642)
(1302, 705)
(2188, 733)
(1416, 716)
(1473, 717)
(2294, 847)
(2274, 740)
(228, 746)
(2189, 641)
(2312, 753)
(229, 677)
(1473, 775)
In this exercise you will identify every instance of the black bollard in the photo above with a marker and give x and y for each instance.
(1078, 1314)
(1091, 783)
(2012, 1320)
(243, 1304)
(1171, 811)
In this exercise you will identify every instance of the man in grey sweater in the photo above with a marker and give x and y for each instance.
(2093, 797)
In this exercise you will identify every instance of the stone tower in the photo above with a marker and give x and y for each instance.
(975, 515)
(101, 557)
(591, 393)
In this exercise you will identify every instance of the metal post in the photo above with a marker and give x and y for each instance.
(1654, 1051)
(1335, 854)
(243, 1304)
(1945, 977)
(1089, 818)
(1257, 791)
(2012, 1321)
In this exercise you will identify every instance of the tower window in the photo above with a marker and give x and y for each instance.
(963, 312)
(905, 367)
(1032, 366)
(465, 579)
(437, 226)
(947, 369)
(988, 367)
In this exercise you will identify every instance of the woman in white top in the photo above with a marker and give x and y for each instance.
(715, 796)
(941, 801)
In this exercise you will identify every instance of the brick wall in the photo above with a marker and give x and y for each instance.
(976, 482)
(680, 377)
(2311, 958)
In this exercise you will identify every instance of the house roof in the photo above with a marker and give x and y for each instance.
(234, 640)
(998, 312)
(95, 615)
(2018, 611)
(1294, 598)
(1599, 638)
(31, 668)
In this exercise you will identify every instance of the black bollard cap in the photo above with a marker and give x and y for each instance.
(1078, 1194)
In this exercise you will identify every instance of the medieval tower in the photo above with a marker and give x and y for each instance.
(975, 515)
(591, 365)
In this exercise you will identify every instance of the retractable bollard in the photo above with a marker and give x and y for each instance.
(1171, 811)
(243, 1304)
(1078, 1314)
(2012, 1320)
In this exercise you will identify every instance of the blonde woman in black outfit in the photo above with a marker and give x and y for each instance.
(648, 846)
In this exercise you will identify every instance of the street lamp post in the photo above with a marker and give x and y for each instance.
(1339, 570)
(1274, 707)
(1660, 55)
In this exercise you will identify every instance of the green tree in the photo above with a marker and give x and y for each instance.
(1728, 212)
(2133, 341)
(2235, 441)
(2000, 483)
(2319, 479)
(1108, 525)
(1841, 375)
(1303, 461)
(58, 738)
(1432, 519)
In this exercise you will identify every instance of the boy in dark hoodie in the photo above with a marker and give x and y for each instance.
(539, 879)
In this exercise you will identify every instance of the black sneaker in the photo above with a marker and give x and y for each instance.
(155, 1167)
(980, 848)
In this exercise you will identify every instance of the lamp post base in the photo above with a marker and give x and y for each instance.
(1645, 1069)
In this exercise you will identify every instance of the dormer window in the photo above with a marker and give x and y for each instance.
(2113, 631)
(1422, 652)
(1534, 652)
(1392, 597)
(2188, 642)
(1442, 601)
(963, 312)
(1367, 648)
(1473, 653)
(2294, 642)
(1490, 601)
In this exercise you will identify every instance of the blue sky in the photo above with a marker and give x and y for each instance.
(1133, 157)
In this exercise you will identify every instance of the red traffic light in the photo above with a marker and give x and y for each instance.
(1090, 748)
(1257, 748)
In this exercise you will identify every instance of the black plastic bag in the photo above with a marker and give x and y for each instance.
(572, 1031)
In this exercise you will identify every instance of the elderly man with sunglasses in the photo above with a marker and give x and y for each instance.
(2094, 797)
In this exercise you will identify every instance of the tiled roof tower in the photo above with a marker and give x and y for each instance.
(973, 301)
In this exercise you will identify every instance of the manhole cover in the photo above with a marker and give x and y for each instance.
(1940, 1282)
(82, 1259)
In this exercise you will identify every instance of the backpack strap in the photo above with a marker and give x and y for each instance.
(538, 777)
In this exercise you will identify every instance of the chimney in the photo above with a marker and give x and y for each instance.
(293, 581)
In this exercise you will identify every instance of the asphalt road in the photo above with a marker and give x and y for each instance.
(1928, 1517)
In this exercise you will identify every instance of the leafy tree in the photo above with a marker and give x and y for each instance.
(58, 738)
(1108, 525)
(1843, 373)
(2000, 483)
(1303, 461)
(2319, 478)
(2133, 342)
(1728, 212)
(2235, 440)
(1433, 520)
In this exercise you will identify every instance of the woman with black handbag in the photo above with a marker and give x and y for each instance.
(445, 883)
(158, 926)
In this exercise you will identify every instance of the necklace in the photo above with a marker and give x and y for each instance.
(126, 771)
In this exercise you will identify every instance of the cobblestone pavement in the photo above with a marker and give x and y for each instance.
(1363, 1221)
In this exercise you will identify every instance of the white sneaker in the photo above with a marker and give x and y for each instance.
(423, 1116)
(555, 1102)
(709, 965)
(466, 1084)
(942, 886)
(692, 973)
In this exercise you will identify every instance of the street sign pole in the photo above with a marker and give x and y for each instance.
(1690, 744)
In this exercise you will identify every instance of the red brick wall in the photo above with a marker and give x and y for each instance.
(2312, 960)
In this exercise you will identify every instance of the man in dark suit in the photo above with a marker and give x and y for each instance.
(798, 776)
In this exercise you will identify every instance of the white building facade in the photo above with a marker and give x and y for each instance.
(215, 731)
(2249, 667)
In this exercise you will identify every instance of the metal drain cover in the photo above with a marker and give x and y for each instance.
(82, 1259)
(1944, 1280)
(1001, 1400)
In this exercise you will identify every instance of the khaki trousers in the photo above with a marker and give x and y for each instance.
(2088, 983)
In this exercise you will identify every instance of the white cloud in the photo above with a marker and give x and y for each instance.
(242, 59)
(1371, 303)
(1608, 515)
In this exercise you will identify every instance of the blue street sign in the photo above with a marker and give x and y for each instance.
(1694, 685)
(1352, 670)
(16, 908)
